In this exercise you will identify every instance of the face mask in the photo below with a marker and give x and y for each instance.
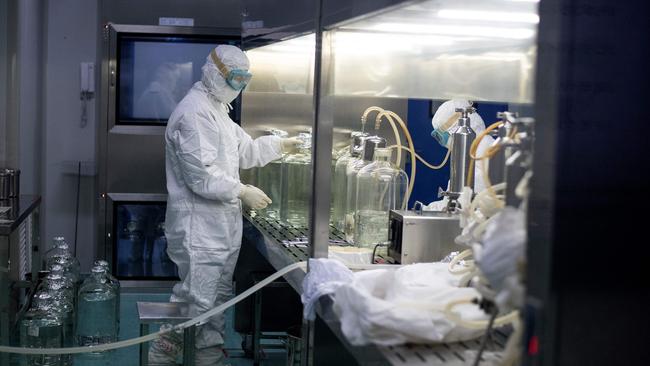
(236, 79)
(440, 134)
(441, 137)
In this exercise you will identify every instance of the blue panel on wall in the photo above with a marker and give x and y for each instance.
(427, 181)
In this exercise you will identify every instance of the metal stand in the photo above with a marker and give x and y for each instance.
(171, 313)
(257, 318)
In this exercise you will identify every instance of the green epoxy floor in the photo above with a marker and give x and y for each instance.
(130, 328)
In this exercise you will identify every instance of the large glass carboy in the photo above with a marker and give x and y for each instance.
(60, 254)
(354, 166)
(41, 327)
(296, 188)
(380, 188)
(96, 316)
(340, 182)
(270, 181)
(111, 280)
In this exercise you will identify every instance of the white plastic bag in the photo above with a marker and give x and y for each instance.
(396, 306)
(324, 277)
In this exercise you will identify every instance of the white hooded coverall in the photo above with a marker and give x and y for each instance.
(204, 151)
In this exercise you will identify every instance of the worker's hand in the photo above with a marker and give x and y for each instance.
(291, 144)
(253, 197)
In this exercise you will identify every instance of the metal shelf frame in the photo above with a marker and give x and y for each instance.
(283, 245)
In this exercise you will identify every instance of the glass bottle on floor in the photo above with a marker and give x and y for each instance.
(63, 304)
(114, 283)
(96, 323)
(61, 254)
(41, 327)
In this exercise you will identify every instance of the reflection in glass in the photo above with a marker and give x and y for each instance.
(141, 243)
(154, 76)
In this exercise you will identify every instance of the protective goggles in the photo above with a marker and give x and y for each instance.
(237, 79)
(440, 134)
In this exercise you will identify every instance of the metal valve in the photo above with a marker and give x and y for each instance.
(465, 112)
(507, 116)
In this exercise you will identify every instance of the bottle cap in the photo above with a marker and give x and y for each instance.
(369, 146)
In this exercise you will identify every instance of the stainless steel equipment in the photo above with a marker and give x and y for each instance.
(131, 144)
(503, 138)
(9, 183)
(519, 162)
(461, 140)
(422, 236)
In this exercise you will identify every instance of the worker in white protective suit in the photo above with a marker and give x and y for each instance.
(446, 119)
(204, 151)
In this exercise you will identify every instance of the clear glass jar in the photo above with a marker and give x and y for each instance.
(296, 187)
(56, 268)
(354, 166)
(340, 181)
(96, 322)
(114, 283)
(65, 287)
(270, 180)
(64, 305)
(380, 188)
(61, 254)
(42, 327)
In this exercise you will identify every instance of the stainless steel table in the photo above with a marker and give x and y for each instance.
(282, 245)
(170, 313)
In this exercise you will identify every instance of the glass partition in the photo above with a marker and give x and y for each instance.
(140, 243)
(408, 60)
(475, 49)
(279, 101)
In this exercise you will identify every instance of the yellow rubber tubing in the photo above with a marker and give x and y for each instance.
(478, 324)
(389, 115)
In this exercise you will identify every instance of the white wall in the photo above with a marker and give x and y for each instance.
(3, 81)
(30, 93)
(71, 39)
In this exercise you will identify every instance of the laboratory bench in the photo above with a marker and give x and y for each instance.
(281, 246)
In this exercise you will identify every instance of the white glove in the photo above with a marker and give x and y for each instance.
(253, 197)
(291, 144)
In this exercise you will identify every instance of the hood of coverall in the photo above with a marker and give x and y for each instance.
(234, 59)
(448, 108)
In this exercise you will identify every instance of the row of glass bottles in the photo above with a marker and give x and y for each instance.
(286, 182)
(61, 316)
(361, 202)
(366, 187)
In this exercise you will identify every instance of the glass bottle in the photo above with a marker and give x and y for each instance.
(61, 254)
(62, 293)
(270, 181)
(248, 176)
(64, 305)
(339, 184)
(56, 268)
(64, 285)
(41, 327)
(354, 166)
(380, 188)
(96, 323)
(114, 283)
(296, 191)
